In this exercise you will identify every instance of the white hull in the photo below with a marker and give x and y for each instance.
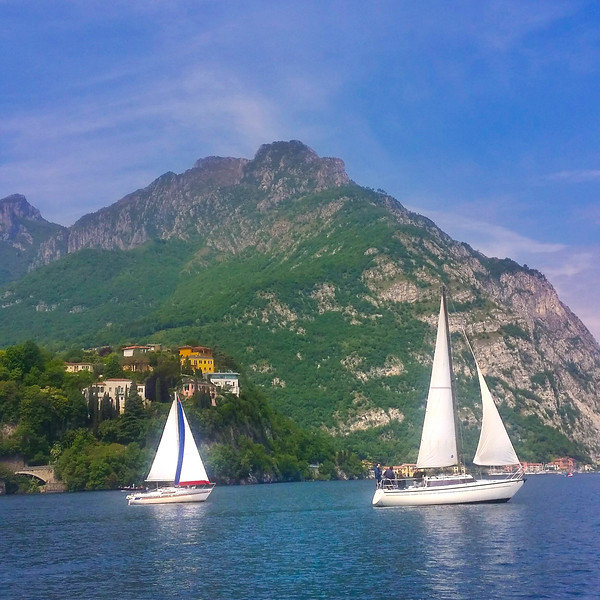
(171, 495)
(492, 490)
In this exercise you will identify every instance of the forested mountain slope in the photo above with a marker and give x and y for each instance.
(326, 293)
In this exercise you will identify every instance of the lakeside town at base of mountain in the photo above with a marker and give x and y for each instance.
(197, 360)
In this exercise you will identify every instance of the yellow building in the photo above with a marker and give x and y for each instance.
(199, 357)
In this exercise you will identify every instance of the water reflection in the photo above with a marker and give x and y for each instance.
(471, 549)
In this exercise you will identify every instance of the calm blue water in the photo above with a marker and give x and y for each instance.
(303, 540)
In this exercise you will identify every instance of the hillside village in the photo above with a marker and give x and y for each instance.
(197, 370)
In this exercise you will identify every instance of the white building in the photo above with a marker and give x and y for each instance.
(135, 350)
(77, 367)
(117, 390)
(228, 382)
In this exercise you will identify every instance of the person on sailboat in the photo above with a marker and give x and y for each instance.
(388, 476)
(377, 470)
(419, 477)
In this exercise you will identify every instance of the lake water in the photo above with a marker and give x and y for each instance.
(304, 541)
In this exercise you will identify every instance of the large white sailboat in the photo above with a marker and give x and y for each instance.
(439, 448)
(177, 464)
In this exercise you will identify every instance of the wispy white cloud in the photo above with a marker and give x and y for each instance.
(507, 26)
(577, 176)
(489, 238)
(571, 261)
(591, 213)
(575, 274)
(89, 150)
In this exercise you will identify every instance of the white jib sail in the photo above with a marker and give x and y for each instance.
(192, 468)
(165, 462)
(495, 447)
(438, 440)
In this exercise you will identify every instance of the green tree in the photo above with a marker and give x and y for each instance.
(10, 401)
(93, 408)
(90, 465)
(327, 470)
(290, 468)
(20, 360)
(36, 424)
(107, 410)
(132, 421)
(112, 367)
(201, 399)
(77, 410)
(350, 464)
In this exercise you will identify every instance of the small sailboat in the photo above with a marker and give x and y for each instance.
(439, 448)
(177, 464)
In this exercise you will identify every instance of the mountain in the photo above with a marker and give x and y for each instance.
(22, 231)
(324, 292)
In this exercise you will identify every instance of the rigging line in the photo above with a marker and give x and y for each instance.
(470, 347)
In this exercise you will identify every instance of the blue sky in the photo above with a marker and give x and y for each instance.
(483, 116)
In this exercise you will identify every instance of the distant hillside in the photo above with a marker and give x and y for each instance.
(324, 292)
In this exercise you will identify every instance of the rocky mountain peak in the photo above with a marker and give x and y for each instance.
(21, 224)
(284, 169)
(13, 210)
(22, 231)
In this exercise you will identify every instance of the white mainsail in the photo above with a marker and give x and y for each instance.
(438, 441)
(165, 462)
(177, 459)
(495, 447)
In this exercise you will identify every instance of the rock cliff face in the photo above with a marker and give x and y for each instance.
(200, 201)
(359, 258)
(524, 336)
(22, 230)
(15, 214)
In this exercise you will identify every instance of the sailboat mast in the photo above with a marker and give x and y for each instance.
(451, 365)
